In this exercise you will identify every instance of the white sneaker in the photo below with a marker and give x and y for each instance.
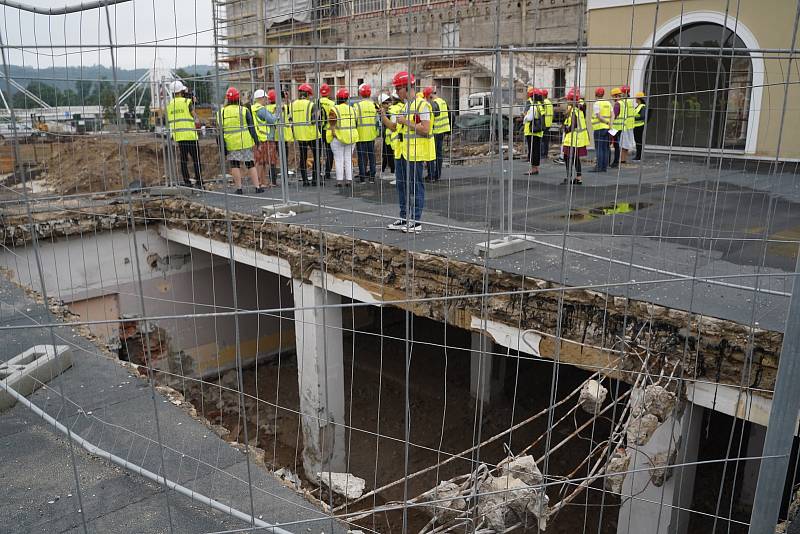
(412, 227)
(399, 224)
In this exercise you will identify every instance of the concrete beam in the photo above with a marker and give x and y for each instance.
(28, 371)
(320, 368)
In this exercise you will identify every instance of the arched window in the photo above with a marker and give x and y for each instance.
(699, 95)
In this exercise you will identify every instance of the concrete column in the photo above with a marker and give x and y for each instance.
(755, 447)
(318, 335)
(487, 371)
(656, 509)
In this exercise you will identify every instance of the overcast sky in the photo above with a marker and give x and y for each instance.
(168, 22)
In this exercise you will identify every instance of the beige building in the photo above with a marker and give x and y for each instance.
(728, 97)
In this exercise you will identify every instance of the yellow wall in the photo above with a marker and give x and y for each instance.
(770, 21)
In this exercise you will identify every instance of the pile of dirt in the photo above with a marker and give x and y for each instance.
(93, 164)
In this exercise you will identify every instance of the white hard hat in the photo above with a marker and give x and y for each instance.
(177, 86)
(395, 95)
(383, 98)
(259, 94)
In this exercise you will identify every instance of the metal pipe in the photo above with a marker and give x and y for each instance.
(61, 10)
(139, 470)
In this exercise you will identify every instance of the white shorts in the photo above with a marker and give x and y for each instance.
(627, 141)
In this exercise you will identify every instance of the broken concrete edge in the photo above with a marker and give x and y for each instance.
(175, 397)
(721, 345)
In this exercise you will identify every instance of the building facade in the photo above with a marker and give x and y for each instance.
(448, 44)
(717, 77)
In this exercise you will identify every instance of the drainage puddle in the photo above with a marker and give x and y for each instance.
(588, 214)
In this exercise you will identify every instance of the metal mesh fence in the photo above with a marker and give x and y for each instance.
(549, 288)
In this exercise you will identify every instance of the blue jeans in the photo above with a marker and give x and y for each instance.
(410, 186)
(366, 151)
(435, 166)
(602, 149)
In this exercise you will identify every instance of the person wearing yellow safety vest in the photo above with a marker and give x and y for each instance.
(548, 122)
(639, 120)
(283, 128)
(534, 129)
(415, 125)
(266, 153)
(367, 119)
(396, 137)
(325, 106)
(617, 127)
(305, 133)
(387, 153)
(576, 137)
(181, 121)
(239, 136)
(601, 123)
(441, 127)
(342, 135)
(627, 141)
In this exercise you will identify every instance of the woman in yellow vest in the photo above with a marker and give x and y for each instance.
(576, 136)
(367, 117)
(534, 130)
(343, 136)
(639, 120)
(239, 135)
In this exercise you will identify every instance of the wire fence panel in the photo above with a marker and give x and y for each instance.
(292, 266)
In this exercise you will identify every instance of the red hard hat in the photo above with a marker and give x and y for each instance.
(305, 88)
(324, 89)
(428, 91)
(626, 89)
(231, 95)
(365, 90)
(573, 94)
(544, 93)
(343, 93)
(271, 95)
(599, 91)
(402, 79)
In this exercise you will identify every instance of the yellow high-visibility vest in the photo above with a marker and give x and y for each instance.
(548, 113)
(441, 122)
(606, 110)
(180, 120)
(366, 118)
(579, 137)
(327, 105)
(233, 120)
(619, 120)
(396, 136)
(262, 128)
(630, 113)
(417, 147)
(527, 126)
(637, 116)
(346, 124)
(283, 120)
(302, 122)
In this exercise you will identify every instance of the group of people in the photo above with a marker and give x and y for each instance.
(618, 123)
(413, 125)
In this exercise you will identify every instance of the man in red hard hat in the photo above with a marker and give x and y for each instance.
(324, 107)
(367, 121)
(240, 137)
(304, 125)
(414, 123)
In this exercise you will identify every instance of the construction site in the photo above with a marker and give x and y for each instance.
(543, 348)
